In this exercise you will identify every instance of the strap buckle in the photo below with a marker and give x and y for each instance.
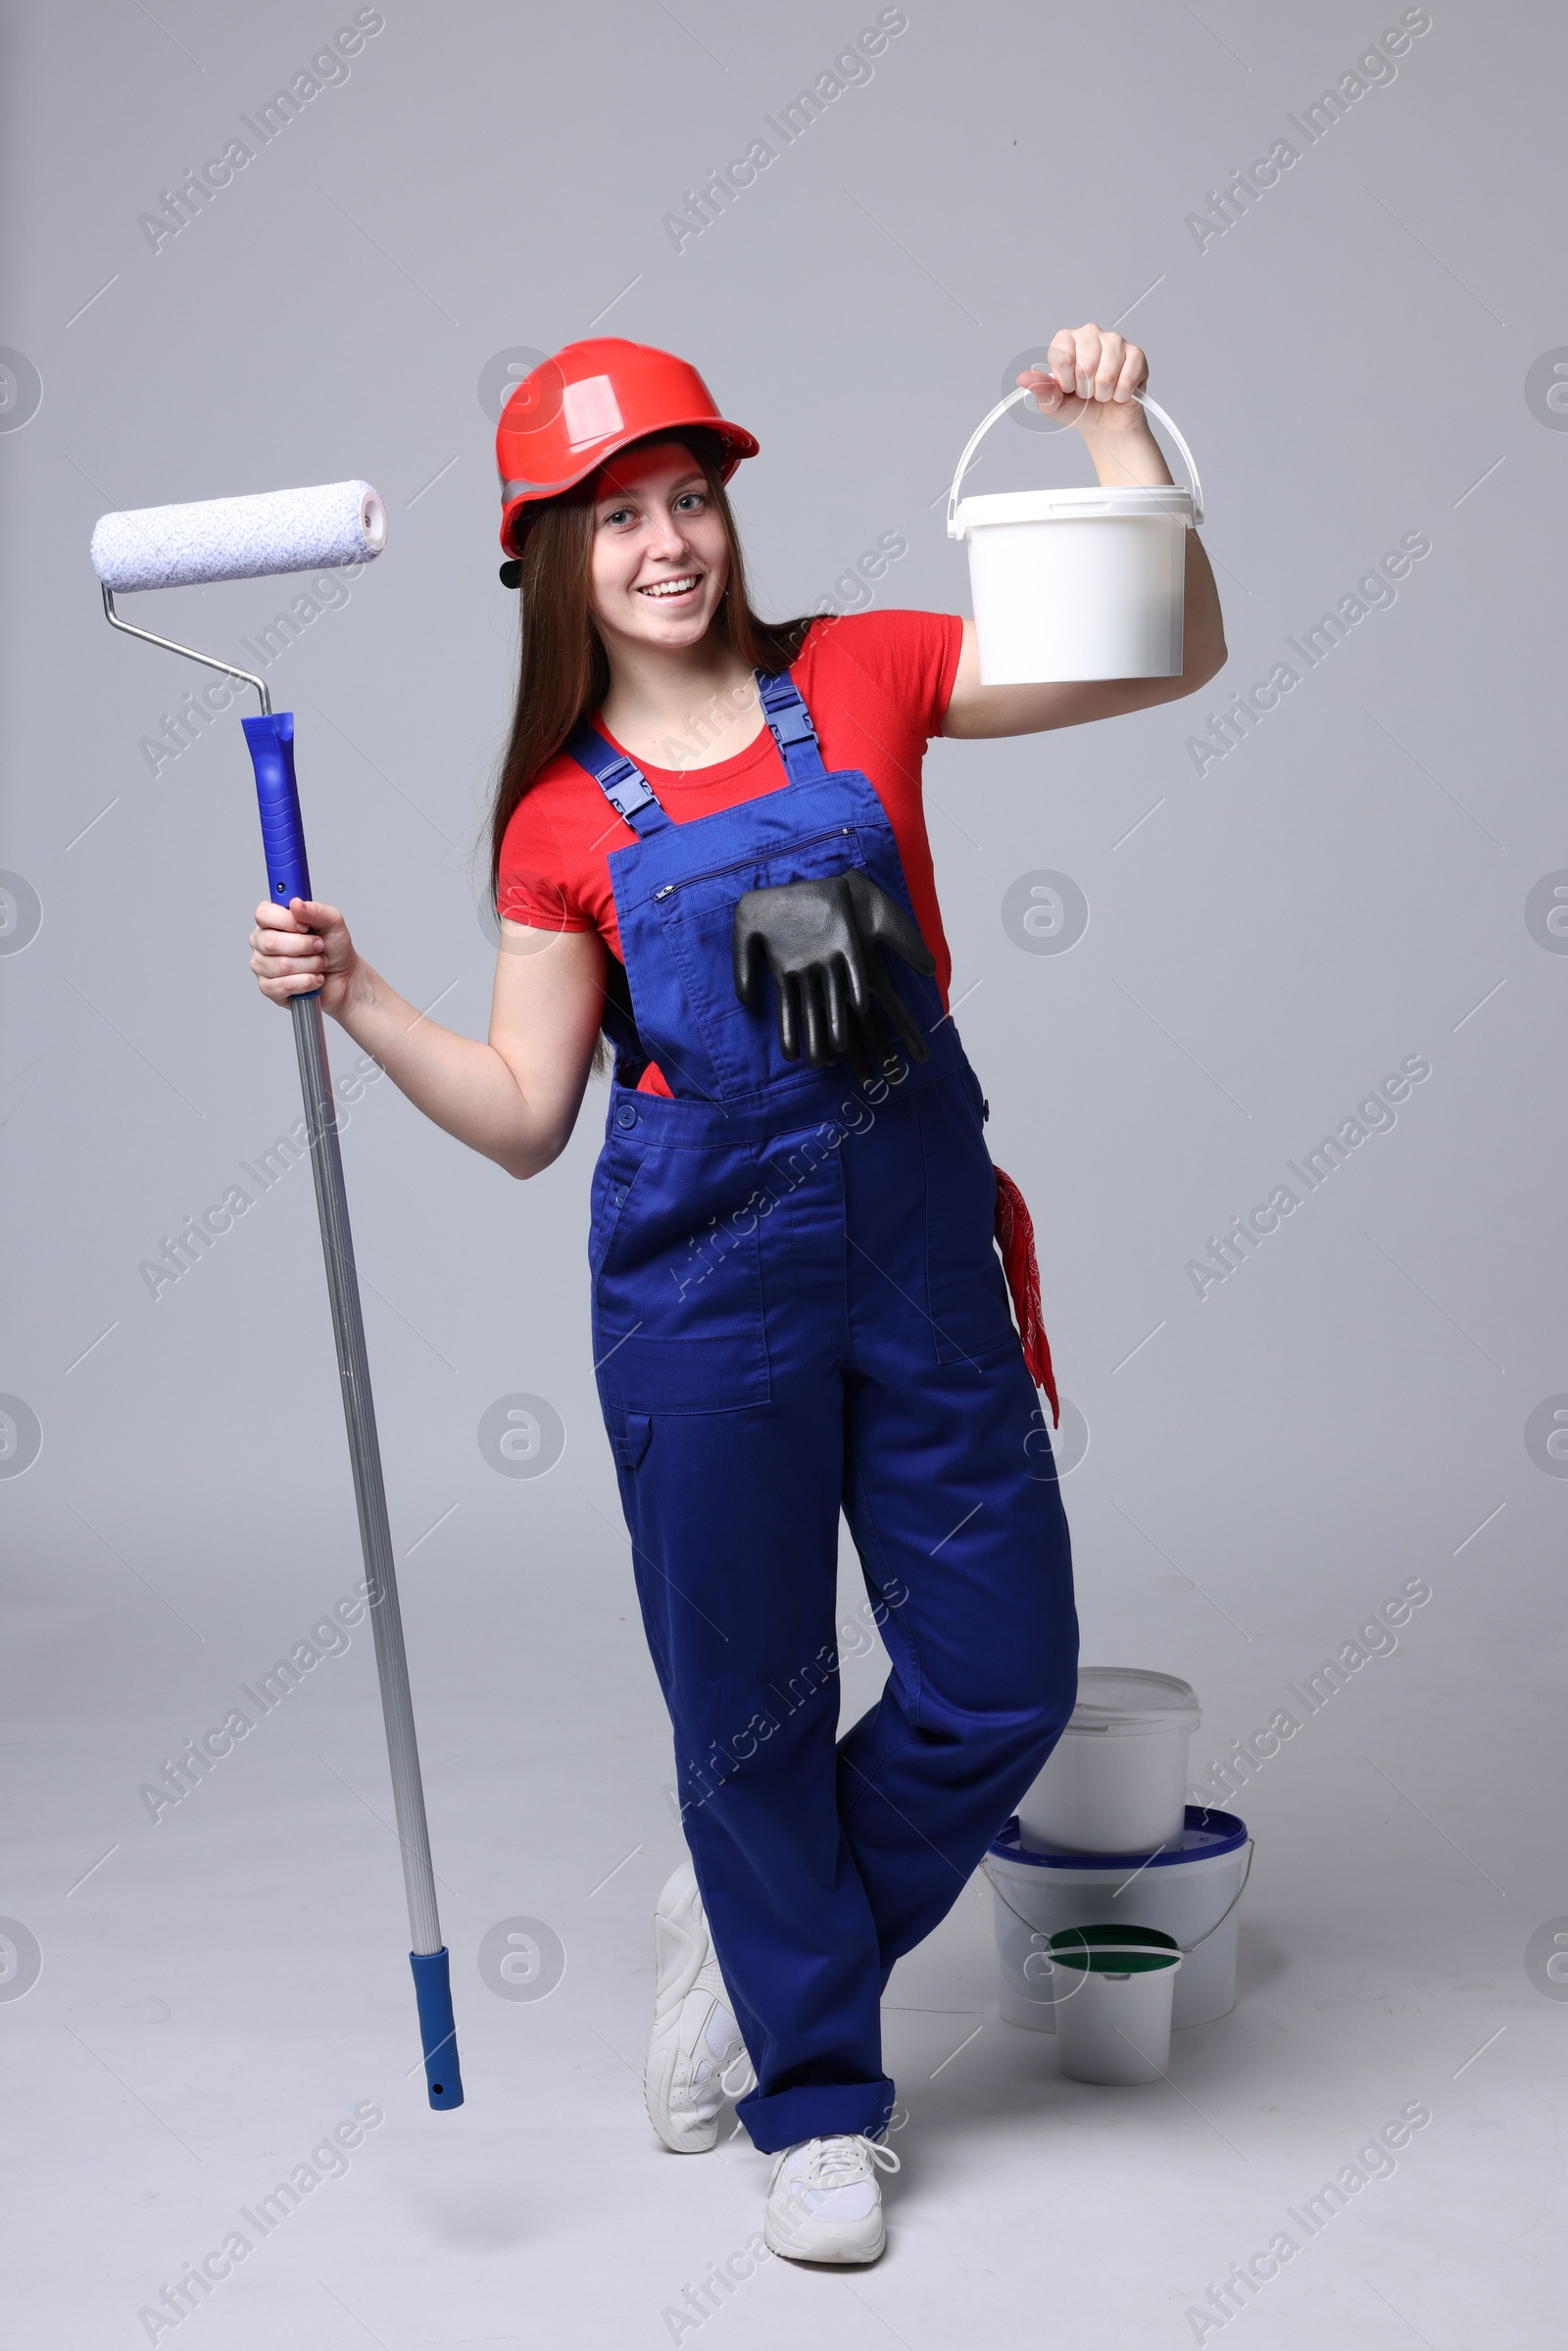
(791, 724)
(785, 711)
(626, 788)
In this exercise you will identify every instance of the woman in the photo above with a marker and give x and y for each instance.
(709, 844)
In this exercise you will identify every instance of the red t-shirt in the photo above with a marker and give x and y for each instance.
(876, 685)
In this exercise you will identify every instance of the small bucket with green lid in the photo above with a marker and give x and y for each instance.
(1114, 1991)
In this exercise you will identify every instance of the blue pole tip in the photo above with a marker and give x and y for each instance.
(438, 2032)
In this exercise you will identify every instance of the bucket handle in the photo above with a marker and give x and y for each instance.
(1186, 1949)
(1152, 407)
(1252, 1850)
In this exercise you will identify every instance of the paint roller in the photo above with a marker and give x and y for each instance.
(250, 538)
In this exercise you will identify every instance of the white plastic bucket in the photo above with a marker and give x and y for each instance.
(1116, 1780)
(1191, 1893)
(1115, 1987)
(1075, 584)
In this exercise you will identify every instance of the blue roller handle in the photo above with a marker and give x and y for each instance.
(272, 748)
(438, 2029)
(271, 740)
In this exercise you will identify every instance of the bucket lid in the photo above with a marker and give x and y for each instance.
(1114, 1950)
(1206, 1835)
(1128, 1699)
(1136, 502)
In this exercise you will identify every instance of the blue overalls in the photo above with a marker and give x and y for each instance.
(798, 1308)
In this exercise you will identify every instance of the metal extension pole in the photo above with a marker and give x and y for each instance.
(271, 739)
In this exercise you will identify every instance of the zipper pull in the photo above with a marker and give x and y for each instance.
(664, 892)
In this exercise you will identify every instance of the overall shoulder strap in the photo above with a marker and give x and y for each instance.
(621, 781)
(791, 721)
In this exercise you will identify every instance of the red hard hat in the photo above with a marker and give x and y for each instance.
(580, 408)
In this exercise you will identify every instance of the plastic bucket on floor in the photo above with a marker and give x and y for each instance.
(1116, 1780)
(1190, 1891)
(1073, 584)
(1114, 1990)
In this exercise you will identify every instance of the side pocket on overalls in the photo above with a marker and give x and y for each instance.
(628, 1433)
(614, 1176)
(966, 1294)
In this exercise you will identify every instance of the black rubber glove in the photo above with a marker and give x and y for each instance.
(822, 941)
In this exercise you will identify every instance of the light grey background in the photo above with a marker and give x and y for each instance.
(1265, 941)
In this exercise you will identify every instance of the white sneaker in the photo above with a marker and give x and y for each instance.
(696, 2057)
(825, 2200)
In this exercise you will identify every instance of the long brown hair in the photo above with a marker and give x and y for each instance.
(563, 673)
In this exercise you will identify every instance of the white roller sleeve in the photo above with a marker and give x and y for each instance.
(240, 538)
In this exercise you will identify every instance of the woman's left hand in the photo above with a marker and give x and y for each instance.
(1091, 381)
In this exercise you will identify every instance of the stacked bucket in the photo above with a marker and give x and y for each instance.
(1114, 1900)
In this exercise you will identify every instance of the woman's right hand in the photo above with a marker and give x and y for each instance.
(300, 946)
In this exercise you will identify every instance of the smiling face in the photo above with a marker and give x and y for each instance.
(660, 559)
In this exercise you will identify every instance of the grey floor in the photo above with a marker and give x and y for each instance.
(223, 1988)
